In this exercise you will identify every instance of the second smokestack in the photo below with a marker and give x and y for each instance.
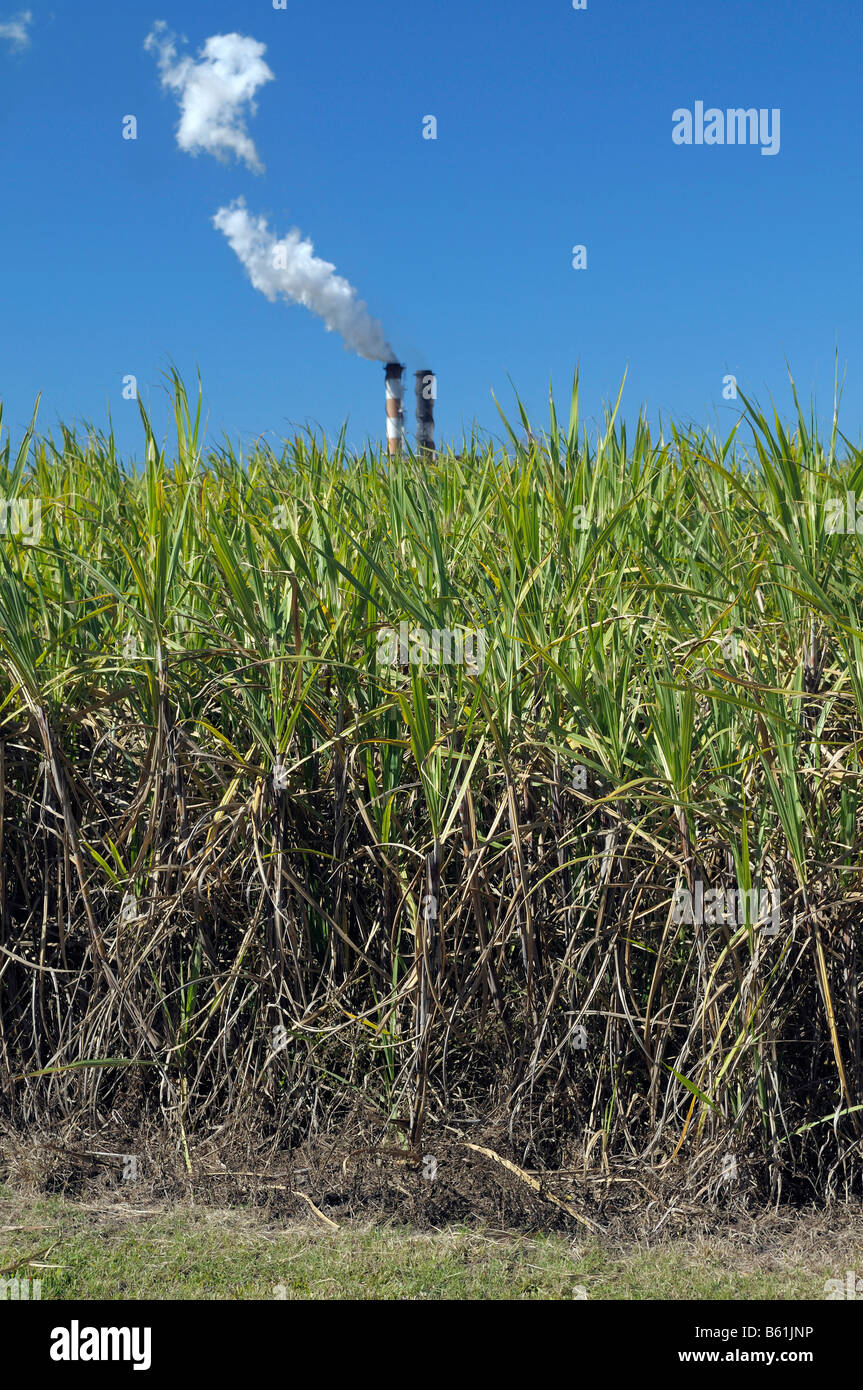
(426, 392)
(395, 413)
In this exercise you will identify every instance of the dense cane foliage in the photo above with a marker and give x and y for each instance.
(278, 864)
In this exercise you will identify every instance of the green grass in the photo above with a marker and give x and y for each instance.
(212, 1254)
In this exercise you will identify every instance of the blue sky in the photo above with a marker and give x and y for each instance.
(554, 129)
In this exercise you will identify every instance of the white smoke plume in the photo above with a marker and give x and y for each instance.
(14, 29)
(213, 91)
(289, 269)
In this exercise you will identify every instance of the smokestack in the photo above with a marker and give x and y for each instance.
(395, 413)
(426, 392)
